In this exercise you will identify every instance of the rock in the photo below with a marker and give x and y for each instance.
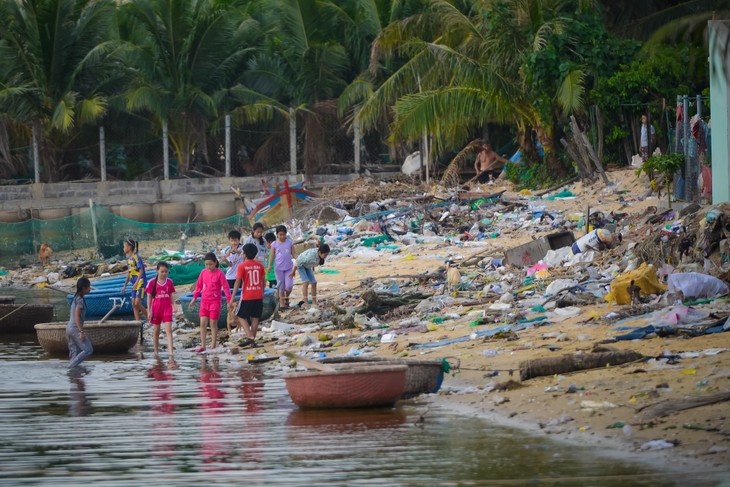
(303, 340)
(497, 400)
(717, 449)
(53, 277)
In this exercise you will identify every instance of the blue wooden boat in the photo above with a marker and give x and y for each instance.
(191, 309)
(99, 303)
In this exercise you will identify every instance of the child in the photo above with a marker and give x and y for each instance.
(159, 303)
(257, 238)
(270, 274)
(233, 256)
(250, 279)
(209, 286)
(138, 277)
(283, 252)
(306, 262)
(79, 346)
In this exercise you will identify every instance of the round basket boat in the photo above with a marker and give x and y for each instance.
(349, 387)
(423, 376)
(108, 337)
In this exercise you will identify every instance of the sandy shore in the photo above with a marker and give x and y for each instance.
(604, 407)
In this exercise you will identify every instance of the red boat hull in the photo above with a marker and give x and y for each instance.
(348, 387)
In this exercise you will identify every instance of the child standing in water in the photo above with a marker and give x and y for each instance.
(138, 277)
(79, 345)
(159, 303)
(233, 255)
(210, 283)
(283, 253)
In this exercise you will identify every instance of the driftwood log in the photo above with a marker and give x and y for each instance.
(668, 407)
(381, 303)
(571, 363)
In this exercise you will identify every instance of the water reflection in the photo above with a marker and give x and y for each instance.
(345, 420)
(163, 407)
(80, 403)
(212, 405)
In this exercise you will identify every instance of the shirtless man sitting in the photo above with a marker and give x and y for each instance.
(488, 164)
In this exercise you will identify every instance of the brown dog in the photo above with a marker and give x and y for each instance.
(44, 254)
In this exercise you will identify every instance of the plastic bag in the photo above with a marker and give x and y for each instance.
(695, 285)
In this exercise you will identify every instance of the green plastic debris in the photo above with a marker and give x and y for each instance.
(566, 193)
(532, 320)
(328, 271)
(373, 241)
(445, 366)
(538, 309)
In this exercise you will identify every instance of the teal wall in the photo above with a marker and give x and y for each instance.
(720, 105)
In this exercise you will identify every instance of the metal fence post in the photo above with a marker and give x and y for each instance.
(356, 143)
(36, 154)
(165, 150)
(102, 152)
(228, 145)
(685, 147)
(292, 142)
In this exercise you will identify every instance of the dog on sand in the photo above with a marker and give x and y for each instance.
(44, 254)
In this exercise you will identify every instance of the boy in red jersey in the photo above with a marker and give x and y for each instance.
(250, 278)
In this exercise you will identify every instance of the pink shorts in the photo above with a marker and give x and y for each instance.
(210, 309)
(161, 313)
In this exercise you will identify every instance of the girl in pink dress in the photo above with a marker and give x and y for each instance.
(159, 303)
(210, 283)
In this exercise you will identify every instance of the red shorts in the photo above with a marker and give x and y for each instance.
(210, 309)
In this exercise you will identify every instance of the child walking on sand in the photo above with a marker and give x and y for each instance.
(283, 253)
(306, 262)
(79, 345)
(209, 286)
(159, 303)
(270, 274)
(250, 279)
(136, 274)
(233, 255)
(257, 239)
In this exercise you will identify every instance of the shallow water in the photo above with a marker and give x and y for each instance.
(133, 420)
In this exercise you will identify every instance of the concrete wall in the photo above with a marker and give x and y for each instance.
(720, 103)
(108, 193)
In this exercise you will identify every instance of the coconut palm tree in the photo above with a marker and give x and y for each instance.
(53, 67)
(298, 76)
(184, 56)
(468, 64)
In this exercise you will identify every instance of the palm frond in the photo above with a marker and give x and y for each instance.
(571, 91)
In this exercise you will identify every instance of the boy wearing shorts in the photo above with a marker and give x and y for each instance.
(306, 262)
(250, 278)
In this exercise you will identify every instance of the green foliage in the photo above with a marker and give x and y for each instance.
(531, 176)
(665, 164)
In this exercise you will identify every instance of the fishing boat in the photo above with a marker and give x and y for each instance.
(422, 377)
(21, 318)
(101, 301)
(191, 310)
(279, 205)
(347, 386)
(108, 337)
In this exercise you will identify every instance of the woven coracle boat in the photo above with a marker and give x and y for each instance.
(423, 376)
(21, 318)
(107, 337)
(347, 387)
(191, 310)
